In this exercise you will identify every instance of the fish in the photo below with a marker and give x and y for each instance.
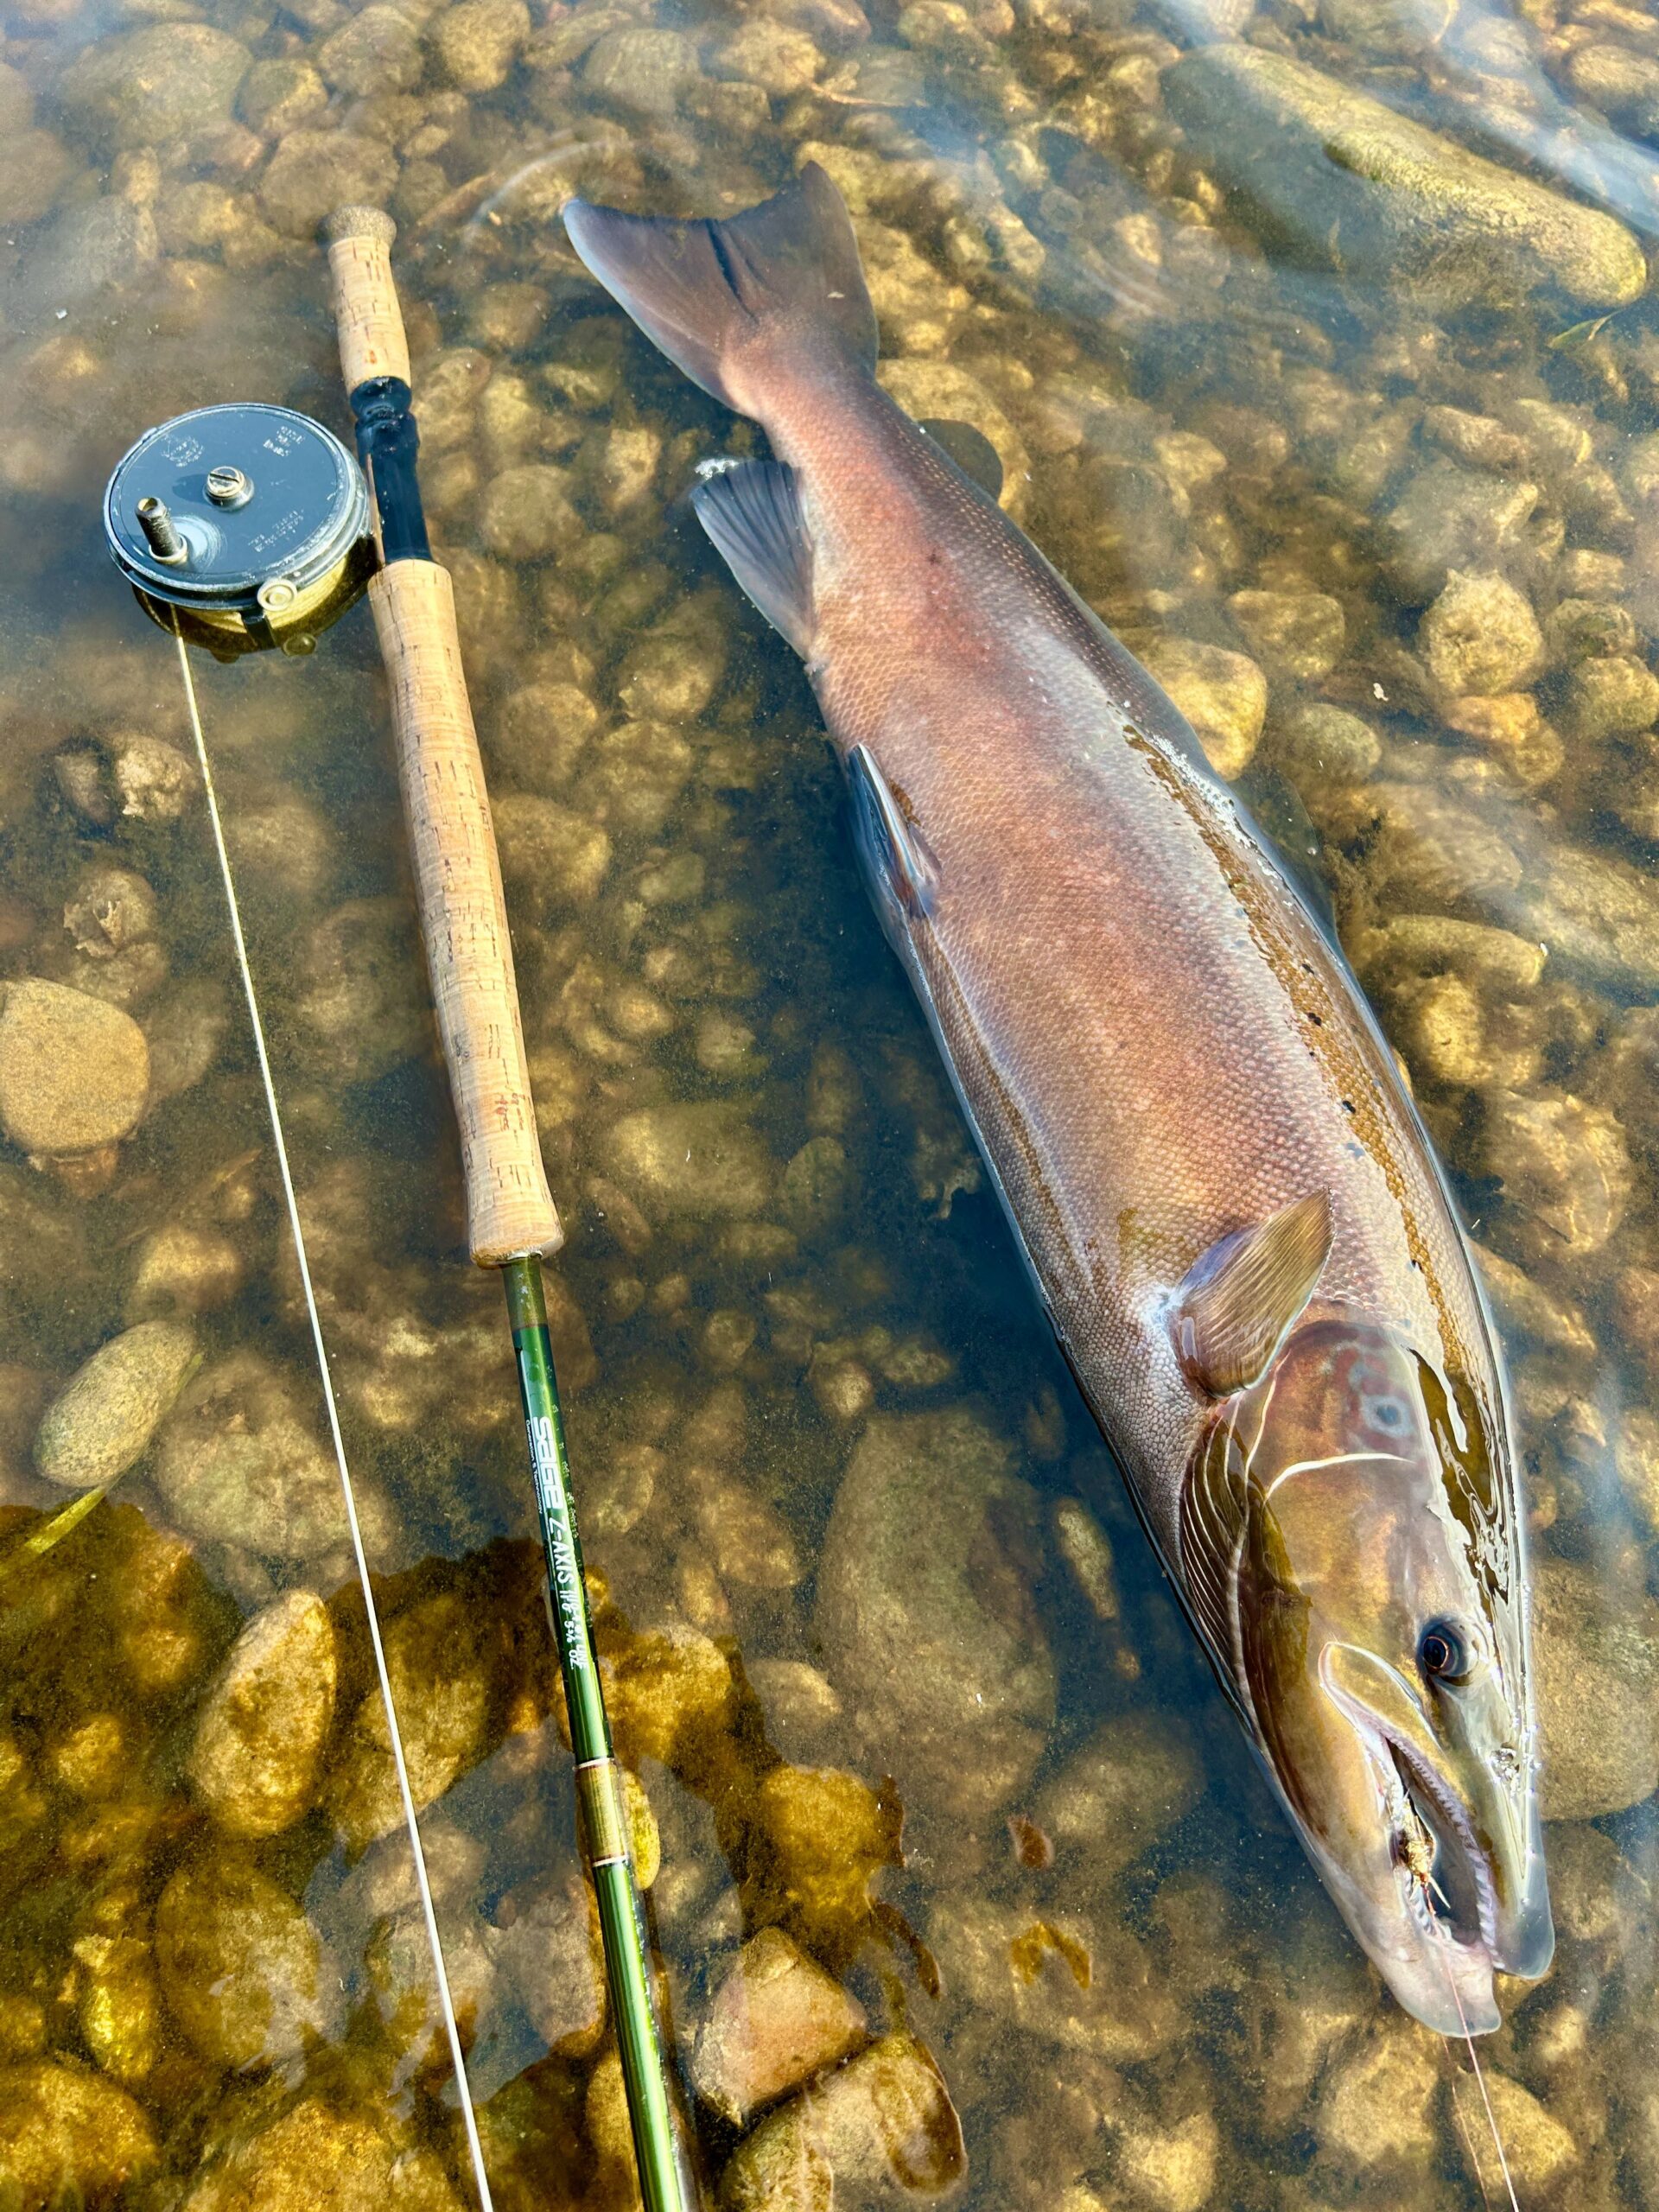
(1225, 1199)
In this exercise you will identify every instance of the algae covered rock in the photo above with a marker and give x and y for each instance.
(879, 2126)
(103, 1420)
(1340, 179)
(441, 1696)
(314, 172)
(276, 2165)
(259, 1742)
(700, 1160)
(243, 1970)
(776, 2019)
(74, 1072)
(1223, 695)
(478, 41)
(67, 2136)
(925, 1610)
(153, 87)
(1481, 636)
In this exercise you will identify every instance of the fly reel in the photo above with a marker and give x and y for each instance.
(242, 527)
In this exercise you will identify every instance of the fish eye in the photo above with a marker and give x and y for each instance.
(1443, 1653)
(1384, 1411)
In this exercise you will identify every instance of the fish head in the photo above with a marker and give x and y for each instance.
(1377, 1616)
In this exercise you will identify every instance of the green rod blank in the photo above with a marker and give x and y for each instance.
(664, 2184)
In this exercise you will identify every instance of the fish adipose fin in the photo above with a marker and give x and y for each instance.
(1240, 1299)
(752, 509)
(784, 276)
(902, 871)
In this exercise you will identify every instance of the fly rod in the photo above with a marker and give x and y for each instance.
(512, 1223)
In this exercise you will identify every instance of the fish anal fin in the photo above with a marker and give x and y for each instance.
(902, 868)
(1241, 1299)
(752, 511)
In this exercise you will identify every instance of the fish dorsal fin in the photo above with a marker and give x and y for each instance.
(902, 870)
(752, 511)
(1239, 1299)
(971, 450)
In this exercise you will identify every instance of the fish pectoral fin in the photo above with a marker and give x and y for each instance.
(902, 871)
(970, 449)
(1240, 1299)
(752, 509)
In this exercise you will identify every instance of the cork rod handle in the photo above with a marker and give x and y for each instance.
(366, 315)
(509, 1210)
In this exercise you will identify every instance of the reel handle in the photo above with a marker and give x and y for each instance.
(510, 1209)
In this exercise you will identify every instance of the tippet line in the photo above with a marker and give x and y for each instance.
(395, 1735)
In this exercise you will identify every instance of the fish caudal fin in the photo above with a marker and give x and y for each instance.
(717, 297)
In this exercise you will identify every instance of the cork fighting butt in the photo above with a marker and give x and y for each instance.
(510, 1209)
(367, 318)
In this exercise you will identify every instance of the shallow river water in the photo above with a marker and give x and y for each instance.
(1312, 336)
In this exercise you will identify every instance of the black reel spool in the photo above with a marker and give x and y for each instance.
(242, 527)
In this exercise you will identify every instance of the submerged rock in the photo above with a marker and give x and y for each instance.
(777, 2019)
(1077, 1980)
(259, 1742)
(925, 1610)
(103, 1420)
(369, 2165)
(1481, 636)
(242, 1968)
(1132, 1780)
(698, 1159)
(1596, 1653)
(238, 1462)
(1223, 695)
(441, 1696)
(153, 87)
(1341, 179)
(68, 2136)
(75, 1070)
(882, 2125)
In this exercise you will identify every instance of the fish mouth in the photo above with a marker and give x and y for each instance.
(1448, 1887)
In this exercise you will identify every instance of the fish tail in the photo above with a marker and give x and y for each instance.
(733, 302)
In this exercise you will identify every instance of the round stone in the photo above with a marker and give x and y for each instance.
(74, 1072)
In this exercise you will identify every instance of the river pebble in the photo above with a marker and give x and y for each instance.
(254, 1758)
(241, 1461)
(925, 1611)
(883, 2123)
(75, 1072)
(243, 1970)
(776, 2019)
(103, 1420)
(67, 2136)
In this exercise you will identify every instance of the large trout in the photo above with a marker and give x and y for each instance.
(1229, 1207)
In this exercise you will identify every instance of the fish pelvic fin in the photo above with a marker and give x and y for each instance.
(1240, 1299)
(901, 870)
(784, 275)
(752, 511)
